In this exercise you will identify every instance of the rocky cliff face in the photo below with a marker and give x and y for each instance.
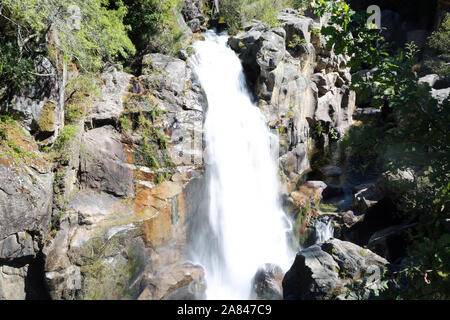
(302, 88)
(108, 219)
(112, 221)
(127, 197)
(39, 105)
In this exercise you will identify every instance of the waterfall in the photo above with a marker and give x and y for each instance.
(324, 229)
(246, 227)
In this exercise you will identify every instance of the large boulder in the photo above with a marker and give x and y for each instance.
(430, 79)
(266, 283)
(325, 271)
(193, 14)
(177, 282)
(103, 164)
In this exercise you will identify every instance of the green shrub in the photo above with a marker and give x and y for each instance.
(417, 136)
(440, 42)
(154, 25)
(237, 12)
(79, 93)
(101, 34)
(298, 4)
(62, 145)
(15, 69)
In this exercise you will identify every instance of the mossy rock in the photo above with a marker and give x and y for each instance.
(115, 263)
(46, 122)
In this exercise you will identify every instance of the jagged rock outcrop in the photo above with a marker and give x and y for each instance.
(325, 271)
(128, 192)
(103, 166)
(38, 104)
(109, 106)
(193, 14)
(302, 89)
(26, 197)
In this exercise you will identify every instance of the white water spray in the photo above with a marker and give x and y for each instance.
(324, 229)
(247, 227)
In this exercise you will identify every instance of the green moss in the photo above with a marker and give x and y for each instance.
(142, 116)
(300, 222)
(328, 207)
(68, 134)
(161, 138)
(125, 122)
(296, 41)
(190, 51)
(56, 182)
(61, 146)
(74, 112)
(13, 138)
(46, 122)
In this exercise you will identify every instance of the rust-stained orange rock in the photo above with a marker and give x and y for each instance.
(306, 193)
(6, 160)
(158, 230)
(167, 189)
(129, 156)
(16, 137)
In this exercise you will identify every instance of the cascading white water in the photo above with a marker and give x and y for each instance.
(247, 227)
(324, 229)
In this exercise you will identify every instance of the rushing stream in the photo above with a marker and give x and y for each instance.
(247, 227)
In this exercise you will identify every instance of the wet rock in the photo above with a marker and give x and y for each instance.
(288, 96)
(331, 171)
(181, 281)
(431, 79)
(440, 95)
(323, 271)
(267, 281)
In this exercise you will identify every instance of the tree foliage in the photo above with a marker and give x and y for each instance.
(237, 12)
(440, 42)
(154, 25)
(419, 138)
(86, 31)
